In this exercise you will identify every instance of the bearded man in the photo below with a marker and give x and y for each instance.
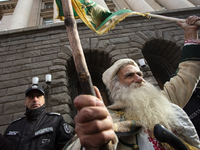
(138, 106)
(140, 101)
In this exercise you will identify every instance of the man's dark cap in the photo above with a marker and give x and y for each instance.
(34, 87)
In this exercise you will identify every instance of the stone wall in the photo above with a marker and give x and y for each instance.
(37, 51)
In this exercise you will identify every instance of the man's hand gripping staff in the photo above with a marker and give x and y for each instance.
(94, 124)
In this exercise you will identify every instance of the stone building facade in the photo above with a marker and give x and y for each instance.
(40, 50)
(16, 14)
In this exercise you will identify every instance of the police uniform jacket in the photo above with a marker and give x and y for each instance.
(38, 130)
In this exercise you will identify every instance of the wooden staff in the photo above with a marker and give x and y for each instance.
(78, 55)
(77, 51)
(170, 18)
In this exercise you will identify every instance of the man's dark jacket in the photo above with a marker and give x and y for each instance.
(192, 109)
(38, 131)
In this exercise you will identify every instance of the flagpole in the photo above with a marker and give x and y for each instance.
(169, 18)
(77, 51)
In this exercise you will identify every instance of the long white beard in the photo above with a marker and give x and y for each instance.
(146, 104)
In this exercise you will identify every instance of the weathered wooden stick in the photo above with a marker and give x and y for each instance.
(78, 55)
(170, 18)
(77, 51)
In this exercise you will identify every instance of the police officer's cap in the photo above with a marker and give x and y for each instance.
(34, 87)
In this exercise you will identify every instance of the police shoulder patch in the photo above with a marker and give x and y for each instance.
(13, 132)
(66, 128)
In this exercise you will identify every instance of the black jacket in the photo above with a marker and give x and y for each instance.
(38, 131)
(192, 109)
(4, 143)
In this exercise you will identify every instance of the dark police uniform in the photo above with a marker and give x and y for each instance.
(38, 130)
(4, 143)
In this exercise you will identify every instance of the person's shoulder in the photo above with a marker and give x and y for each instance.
(54, 114)
(17, 120)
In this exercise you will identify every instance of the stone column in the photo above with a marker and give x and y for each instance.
(102, 3)
(139, 5)
(21, 15)
(154, 5)
(5, 22)
(175, 4)
(120, 4)
(55, 12)
(195, 2)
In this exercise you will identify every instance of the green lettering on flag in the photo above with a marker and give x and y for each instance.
(95, 16)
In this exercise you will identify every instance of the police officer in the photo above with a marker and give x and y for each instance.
(38, 130)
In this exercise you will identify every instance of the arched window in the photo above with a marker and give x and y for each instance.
(163, 58)
(96, 76)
